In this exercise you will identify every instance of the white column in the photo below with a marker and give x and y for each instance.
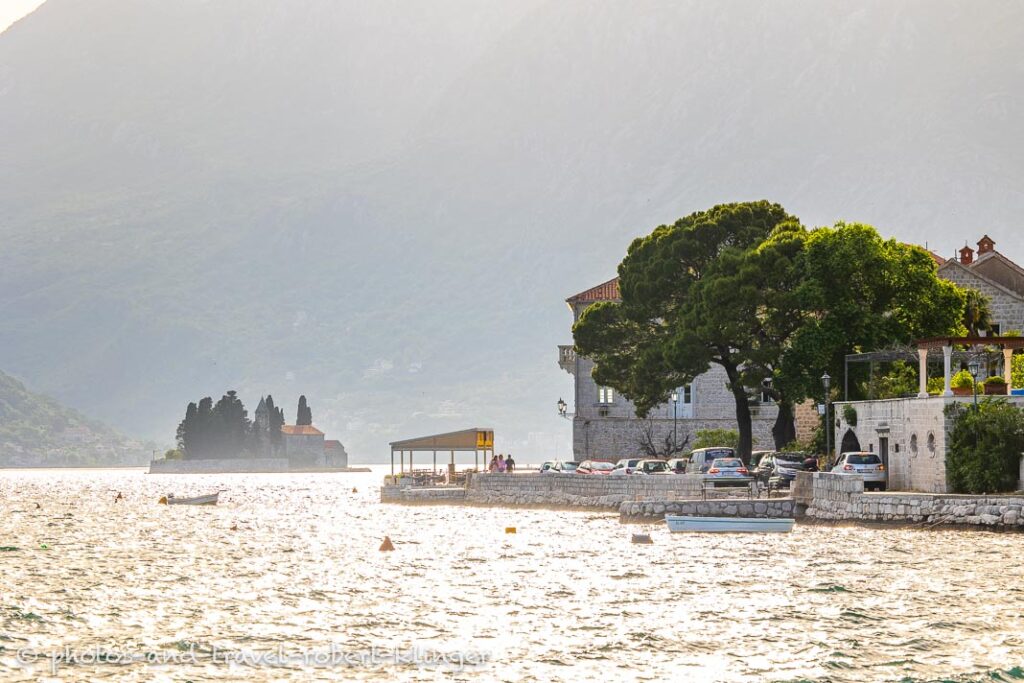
(922, 372)
(1008, 368)
(947, 365)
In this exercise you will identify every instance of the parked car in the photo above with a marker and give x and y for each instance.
(567, 466)
(594, 467)
(651, 466)
(678, 465)
(757, 456)
(866, 464)
(728, 471)
(548, 466)
(626, 466)
(700, 459)
(779, 469)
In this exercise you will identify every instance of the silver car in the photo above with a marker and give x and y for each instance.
(728, 471)
(868, 465)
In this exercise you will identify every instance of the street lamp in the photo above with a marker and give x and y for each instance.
(826, 382)
(675, 418)
(562, 406)
(974, 367)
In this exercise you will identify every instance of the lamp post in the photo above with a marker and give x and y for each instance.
(826, 382)
(675, 418)
(974, 367)
(562, 406)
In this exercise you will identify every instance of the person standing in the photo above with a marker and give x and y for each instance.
(501, 463)
(494, 464)
(510, 464)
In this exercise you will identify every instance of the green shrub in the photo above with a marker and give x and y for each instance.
(984, 449)
(1017, 370)
(706, 438)
(962, 380)
(850, 415)
(936, 385)
(995, 379)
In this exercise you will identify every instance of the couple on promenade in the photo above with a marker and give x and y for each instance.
(499, 463)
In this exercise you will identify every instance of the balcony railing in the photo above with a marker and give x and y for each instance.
(567, 358)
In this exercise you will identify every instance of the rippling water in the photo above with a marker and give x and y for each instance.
(290, 564)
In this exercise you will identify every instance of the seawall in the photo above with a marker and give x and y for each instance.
(827, 497)
(576, 490)
(237, 465)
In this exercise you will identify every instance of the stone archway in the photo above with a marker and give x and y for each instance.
(849, 443)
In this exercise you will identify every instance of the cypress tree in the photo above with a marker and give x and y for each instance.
(304, 415)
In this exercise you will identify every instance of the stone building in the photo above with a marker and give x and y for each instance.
(303, 445)
(335, 454)
(995, 276)
(605, 425)
(910, 434)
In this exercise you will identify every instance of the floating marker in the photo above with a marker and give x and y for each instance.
(387, 544)
(354, 490)
(163, 500)
(510, 530)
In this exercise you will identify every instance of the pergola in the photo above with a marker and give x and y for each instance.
(476, 439)
(946, 344)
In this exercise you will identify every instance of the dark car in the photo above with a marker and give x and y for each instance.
(779, 469)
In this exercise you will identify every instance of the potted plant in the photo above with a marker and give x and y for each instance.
(995, 386)
(962, 384)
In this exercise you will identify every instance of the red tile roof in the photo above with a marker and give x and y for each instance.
(303, 430)
(332, 443)
(606, 291)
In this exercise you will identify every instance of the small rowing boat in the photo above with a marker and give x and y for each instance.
(208, 499)
(729, 524)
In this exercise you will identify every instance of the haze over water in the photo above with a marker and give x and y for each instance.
(292, 562)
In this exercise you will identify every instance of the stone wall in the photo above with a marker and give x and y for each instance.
(915, 431)
(426, 496)
(835, 497)
(218, 465)
(576, 490)
(652, 511)
(615, 438)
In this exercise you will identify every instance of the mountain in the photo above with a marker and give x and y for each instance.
(382, 205)
(35, 430)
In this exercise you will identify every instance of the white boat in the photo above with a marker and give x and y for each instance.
(729, 524)
(208, 499)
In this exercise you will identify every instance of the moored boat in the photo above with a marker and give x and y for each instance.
(729, 524)
(208, 499)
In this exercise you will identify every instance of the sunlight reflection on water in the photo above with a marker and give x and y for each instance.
(291, 562)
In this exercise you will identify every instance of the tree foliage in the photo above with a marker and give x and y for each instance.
(687, 302)
(304, 416)
(746, 287)
(708, 438)
(983, 455)
(977, 316)
(216, 431)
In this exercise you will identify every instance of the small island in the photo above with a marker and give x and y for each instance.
(220, 438)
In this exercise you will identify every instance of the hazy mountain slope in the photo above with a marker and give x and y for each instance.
(36, 430)
(383, 205)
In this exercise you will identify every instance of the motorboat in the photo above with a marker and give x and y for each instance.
(208, 499)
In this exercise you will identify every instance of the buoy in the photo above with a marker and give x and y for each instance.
(38, 506)
(119, 497)
(387, 544)
(163, 500)
(642, 538)
(234, 527)
(44, 547)
(510, 530)
(354, 490)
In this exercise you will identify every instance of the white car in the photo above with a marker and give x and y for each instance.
(626, 466)
(867, 465)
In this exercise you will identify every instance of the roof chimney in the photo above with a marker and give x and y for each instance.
(966, 255)
(985, 245)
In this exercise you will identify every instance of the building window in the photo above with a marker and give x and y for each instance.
(605, 395)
